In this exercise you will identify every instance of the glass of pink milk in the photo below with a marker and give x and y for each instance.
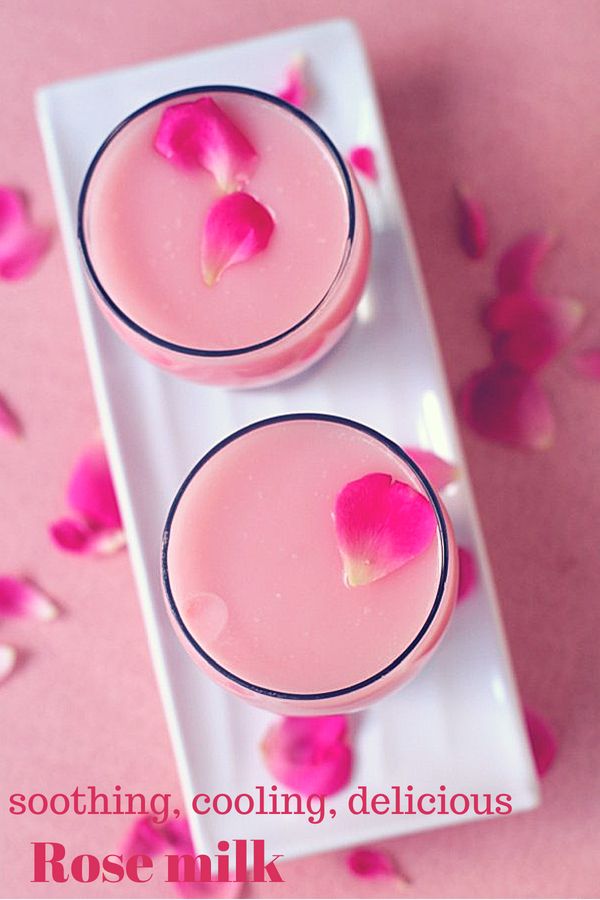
(140, 223)
(253, 576)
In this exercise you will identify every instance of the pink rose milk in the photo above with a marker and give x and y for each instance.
(266, 318)
(255, 581)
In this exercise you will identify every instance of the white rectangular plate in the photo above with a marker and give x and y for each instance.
(459, 723)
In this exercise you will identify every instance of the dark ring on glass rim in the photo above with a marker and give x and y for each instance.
(398, 451)
(229, 89)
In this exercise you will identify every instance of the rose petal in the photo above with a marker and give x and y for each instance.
(236, 229)
(295, 88)
(144, 837)
(200, 135)
(543, 741)
(21, 243)
(472, 224)
(9, 423)
(438, 472)
(79, 537)
(507, 406)
(519, 264)
(362, 160)
(309, 754)
(367, 862)
(467, 573)
(8, 660)
(22, 599)
(530, 330)
(587, 363)
(381, 524)
(90, 491)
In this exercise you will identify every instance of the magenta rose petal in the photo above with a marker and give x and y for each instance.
(10, 425)
(587, 363)
(368, 862)
(200, 135)
(467, 574)
(8, 661)
(473, 227)
(236, 229)
(508, 406)
(70, 535)
(381, 524)
(438, 472)
(362, 159)
(90, 491)
(518, 265)
(308, 754)
(543, 741)
(22, 243)
(144, 837)
(22, 599)
(295, 88)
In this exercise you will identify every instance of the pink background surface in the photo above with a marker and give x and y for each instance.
(504, 96)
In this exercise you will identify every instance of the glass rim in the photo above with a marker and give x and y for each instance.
(444, 563)
(205, 89)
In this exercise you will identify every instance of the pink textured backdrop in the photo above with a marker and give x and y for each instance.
(502, 95)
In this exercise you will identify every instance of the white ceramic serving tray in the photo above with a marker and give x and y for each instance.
(459, 723)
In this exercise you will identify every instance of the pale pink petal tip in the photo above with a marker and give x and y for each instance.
(362, 159)
(473, 227)
(543, 741)
(236, 229)
(518, 265)
(587, 363)
(22, 599)
(8, 660)
(508, 406)
(200, 135)
(22, 244)
(309, 754)
(381, 524)
(467, 574)
(10, 426)
(367, 862)
(529, 330)
(295, 88)
(438, 472)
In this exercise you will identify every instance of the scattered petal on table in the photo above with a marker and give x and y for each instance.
(473, 227)
(10, 426)
(90, 491)
(362, 160)
(22, 244)
(543, 741)
(437, 471)
(368, 862)
(144, 837)
(22, 599)
(295, 88)
(309, 754)
(8, 660)
(519, 264)
(508, 406)
(467, 573)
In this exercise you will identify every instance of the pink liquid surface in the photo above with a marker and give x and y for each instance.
(144, 219)
(255, 570)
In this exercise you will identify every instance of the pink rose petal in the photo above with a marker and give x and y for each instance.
(22, 599)
(367, 862)
(79, 537)
(200, 135)
(90, 491)
(10, 425)
(519, 264)
(529, 330)
(587, 363)
(309, 754)
(543, 741)
(8, 660)
(438, 472)
(236, 229)
(22, 244)
(381, 524)
(508, 406)
(295, 88)
(362, 160)
(472, 224)
(467, 573)
(144, 837)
